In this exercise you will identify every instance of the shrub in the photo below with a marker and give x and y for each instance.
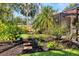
(40, 43)
(24, 28)
(60, 46)
(59, 31)
(14, 30)
(8, 31)
(51, 45)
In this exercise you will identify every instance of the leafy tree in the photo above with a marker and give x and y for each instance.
(27, 10)
(18, 20)
(5, 12)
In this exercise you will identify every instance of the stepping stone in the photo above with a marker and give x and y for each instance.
(27, 47)
(26, 44)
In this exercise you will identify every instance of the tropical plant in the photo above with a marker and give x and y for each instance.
(44, 20)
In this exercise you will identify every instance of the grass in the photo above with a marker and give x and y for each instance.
(34, 35)
(65, 52)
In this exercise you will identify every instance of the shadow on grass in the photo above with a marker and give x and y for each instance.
(68, 52)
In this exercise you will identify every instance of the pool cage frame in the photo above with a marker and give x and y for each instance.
(71, 11)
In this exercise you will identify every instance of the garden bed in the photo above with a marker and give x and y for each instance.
(50, 42)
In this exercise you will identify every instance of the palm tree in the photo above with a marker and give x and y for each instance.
(44, 21)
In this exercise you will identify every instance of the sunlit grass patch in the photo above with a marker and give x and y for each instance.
(34, 35)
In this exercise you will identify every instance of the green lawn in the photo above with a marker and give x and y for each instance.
(34, 35)
(66, 52)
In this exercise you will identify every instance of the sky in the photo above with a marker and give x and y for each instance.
(55, 6)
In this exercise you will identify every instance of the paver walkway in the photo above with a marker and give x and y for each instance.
(13, 51)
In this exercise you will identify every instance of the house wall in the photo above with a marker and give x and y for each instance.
(68, 22)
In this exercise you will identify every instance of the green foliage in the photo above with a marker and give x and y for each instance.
(40, 43)
(8, 31)
(2, 31)
(24, 28)
(37, 36)
(51, 45)
(60, 46)
(26, 9)
(17, 20)
(59, 30)
(13, 29)
(6, 12)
